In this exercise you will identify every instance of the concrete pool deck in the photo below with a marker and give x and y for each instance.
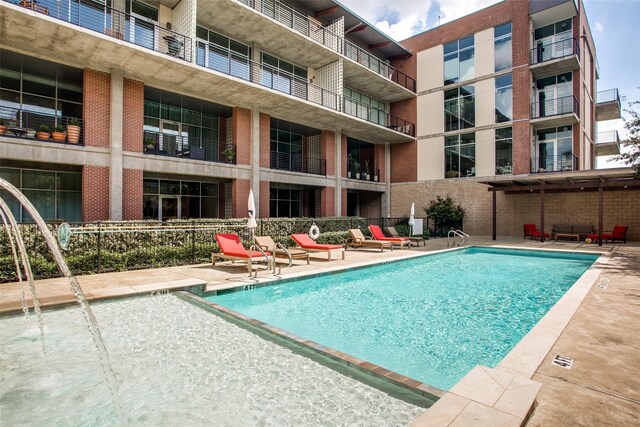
(598, 329)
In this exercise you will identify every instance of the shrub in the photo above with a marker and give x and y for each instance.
(445, 213)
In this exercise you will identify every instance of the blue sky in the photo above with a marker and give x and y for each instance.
(613, 25)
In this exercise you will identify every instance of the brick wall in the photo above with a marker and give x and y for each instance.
(132, 194)
(379, 160)
(514, 210)
(327, 150)
(344, 202)
(241, 131)
(96, 108)
(404, 166)
(265, 198)
(343, 156)
(265, 140)
(239, 195)
(327, 202)
(95, 193)
(133, 115)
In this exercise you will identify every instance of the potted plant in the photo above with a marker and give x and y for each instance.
(229, 153)
(43, 132)
(58, 133)
(356, 166)
(349, 164)
(149, 144)
(366, 170)
(73, 130)
(375, 175)
(3, 127)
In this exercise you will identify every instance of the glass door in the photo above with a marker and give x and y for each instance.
(170, 141)
(169, 207)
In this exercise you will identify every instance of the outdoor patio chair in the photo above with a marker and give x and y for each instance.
(267, 244)
(308, 244)
(358, 240)
(619, 232)
(532, 232)
(231, 249)
(414, 239)
(379, 235)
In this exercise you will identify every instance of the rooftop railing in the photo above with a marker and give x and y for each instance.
(605, 96)
(165, 144)
(103, 19)
(565, 162)
(560, 49)
(25, 124)
(554, 107)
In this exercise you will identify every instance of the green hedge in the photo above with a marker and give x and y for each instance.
(121, 251)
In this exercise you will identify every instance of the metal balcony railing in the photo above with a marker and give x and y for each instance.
(298, 163)
(554, 107)
(565, 162)
(374, 115)
(25, 124)
(560, 49)
(165, 144)
(297, 21)
(98, 17)
(606, 96)
(608, 137)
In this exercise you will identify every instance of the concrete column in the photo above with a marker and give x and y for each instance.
(115, 138)
(338, 169)
(255, 156)
(386, 199)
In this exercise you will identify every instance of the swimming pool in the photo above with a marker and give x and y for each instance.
(431, 318)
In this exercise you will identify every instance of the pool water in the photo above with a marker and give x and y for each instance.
(431, 318)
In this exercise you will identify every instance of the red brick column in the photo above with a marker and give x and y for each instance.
(343, 156)
(328, 149)
(95, 193)
(265, 198)
(242, 135)
(327, 202)
(96, 109)
(133, 116)
(265, 142)
(404, 165)
(240, 195)
(132, 194)
(378, 160)
(343, 209)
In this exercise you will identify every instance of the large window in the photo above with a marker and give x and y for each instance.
(554, 94)
(554, 41)
(459, 63)
(504, 151)
(504, 99)
(555, 149)
(285, 202)
(364, 107)
(222, 54)
(502, 46)
(283, 76)
(169, 199)
(47, 91)
(286, 150)
(56, 195)
(460, 155)
(459, 108)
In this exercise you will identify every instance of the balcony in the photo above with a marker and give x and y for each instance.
(377, 116)
(555, 112)
(562, 163)
(555, 58)
(608, 105)
(168, 145)
(298, 163)
(26, 124)
(361, 174)
(607, 143)
(119, 25)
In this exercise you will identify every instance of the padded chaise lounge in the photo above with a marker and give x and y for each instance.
(379, 235)
(231, 249)
(308, 244)
(279, 251)
(414, 239)
(619, 232)
(357, 240)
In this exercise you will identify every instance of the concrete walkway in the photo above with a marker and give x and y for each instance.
(602, 337)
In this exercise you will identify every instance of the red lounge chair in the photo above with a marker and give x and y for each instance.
(619, 233)
(532, 232)
(231, 249)
(308, 244)
(379, 235)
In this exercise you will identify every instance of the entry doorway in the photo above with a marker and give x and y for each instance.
(169, 208)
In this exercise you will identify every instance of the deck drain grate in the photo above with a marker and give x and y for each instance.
(603, 283)
(563, 362)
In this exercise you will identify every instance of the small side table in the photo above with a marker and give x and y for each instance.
(568, 235)
(21, 132)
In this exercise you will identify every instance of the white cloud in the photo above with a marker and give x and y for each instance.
(415, 15)
(598, 27)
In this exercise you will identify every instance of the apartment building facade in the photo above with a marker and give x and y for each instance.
(185, 106)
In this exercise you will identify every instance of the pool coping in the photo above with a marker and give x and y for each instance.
(504, 393)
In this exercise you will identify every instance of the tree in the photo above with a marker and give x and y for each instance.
(632, 155)
(444, 212)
